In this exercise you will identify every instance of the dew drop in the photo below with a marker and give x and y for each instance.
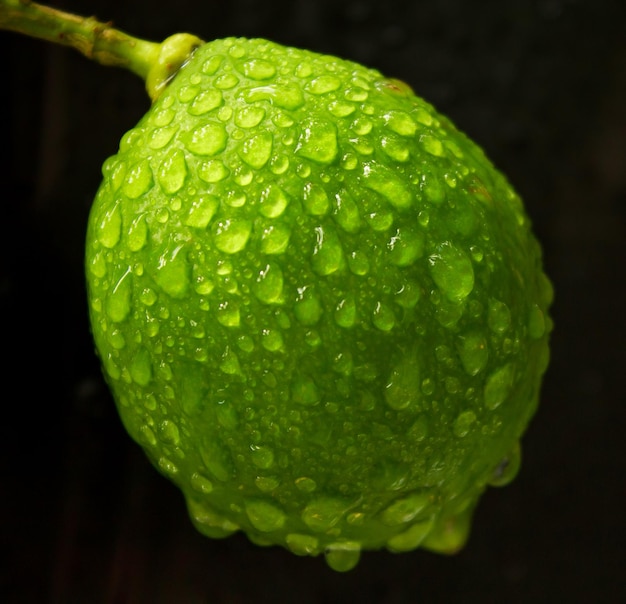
(262, 457)
(304, 391)
(226, 81)
(201, 484)
(463, 423)
(169, 433)
(473, 352)
(285, 96)
(308, 308)
(202, 211)
(272, 340)
(318, 141)
(110, 227)
(206, 101)
(406, 246)
(412, 537)
(266, 483)
(269, 284)
(249, 116)
(167, 466)
(347, 212)
(160, 137)
(306, 484)
(323, 84)
(257, 150)
(264, 516)
(498, 316)
(208, 139)
(359, 263)
(341, 108)
(383, 317)
(408, 295)
(452, 272)
(141, 367)
(274, 201)
(137, 234)
(536, 323)
(212, 171)
(173, 172)
(345, 312)
(400, 122)
(302, 545)
(275, 239)
(316, 202)
(382, 180)
(405, 509)
(172, 272)
(259, 69)
(231, 236)
(324, 513)
(118, 300)
(230, 363)
(432, 145)
(432, 189)
(343, 556)
(138, 180)
(328, 255)
(508, 468)
(498, 386)
(403, 386)
(228, 314)
(395, 148)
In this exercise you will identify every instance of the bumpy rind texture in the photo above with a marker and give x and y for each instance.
(320, 309)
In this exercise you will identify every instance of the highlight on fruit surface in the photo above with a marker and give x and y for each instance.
(320, 309)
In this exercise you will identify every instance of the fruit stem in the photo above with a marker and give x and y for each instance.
(155, 63)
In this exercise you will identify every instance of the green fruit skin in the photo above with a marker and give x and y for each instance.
(320, 309)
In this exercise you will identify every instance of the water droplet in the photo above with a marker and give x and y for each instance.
(345, 312)
(507, 469)
(406, 246)
(201, 484)
(403, 386)
(206, 101)
(274, 201)
(302, 545)
(138, 180)
(118, 300)
(304, 391)
(172, 272)
(231, 236)
(208, 139)
(341, 108)
(285, 96)
(163, 117)
(212, 64)
(452, 271)
(160, 137)
(265, 517)
(382, 180)
(408, 295)
(347, 212)
(400, 122)
(328, 255)
(257, 150)
(173, 172)
(356, 94)
(383, 317)
(536, 323)
(141, 367)
(432, 188)
(394, 148)
(249, 116)
(343, 556)
(275, 239)
(212, 171)
(187, 93)
(169, 433)
(405, 509)
(323, 84)
(412, 537)
(148, 435)
(498, 386)
(259, 69)
(318, 141)
(228, 314)
(473, 352)
(463, 423)
(202, 211)
(267, 484)
(272, 340)
(226, 81)
(167, 466)
(230, 363)
(226, 415)
(432, 145)
(137, 233)
(322, 514)
(316, 202)
(308, 308)
(262, 457)
(362, 126)
(499, 316)
(269, 284)
(359, 263)
(306, 484)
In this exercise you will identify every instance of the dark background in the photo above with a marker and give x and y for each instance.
(541, 85)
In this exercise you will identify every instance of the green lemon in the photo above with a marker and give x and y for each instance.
(320, 309)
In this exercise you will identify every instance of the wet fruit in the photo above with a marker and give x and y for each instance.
(320, 309)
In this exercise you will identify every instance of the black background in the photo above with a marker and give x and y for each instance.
(541, 85)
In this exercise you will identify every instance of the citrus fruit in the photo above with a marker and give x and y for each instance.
(320, 309)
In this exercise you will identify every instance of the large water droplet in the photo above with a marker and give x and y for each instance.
(228, 314)
(231, 236)
(383, 317)
(274, 201)
(432, 145)
(328, 255)
(343, 556)
(202, 211)
(318, 141)
(269, 284)
(473, 352)
(118, 300)
(302, 545)
(403, 386)
(161, 137)
(257, 150)
(324, 513)
(249, 116)
(172, 272)
(400, 122)
(201, 484)
(304, 391)
(498, 386)
(138, 234)
(452, 271)
(272, 340)
(499, 316)
(412, 537)
(463, 423)
(315, 199)
(308, 308)
(406, 246)
(536, 323)
(405, 509)
(285, 96)
(275, 239)
(262, 456)
(208, 521)
(208, 139)
(110, 227)
(212, 171)
(382, 180)
(347, 213)
(323, 84)
(345, 312)
(206, 101)
(173, 172)
(141, 367)
(259, 69)
(138, 180)
(264, 516)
